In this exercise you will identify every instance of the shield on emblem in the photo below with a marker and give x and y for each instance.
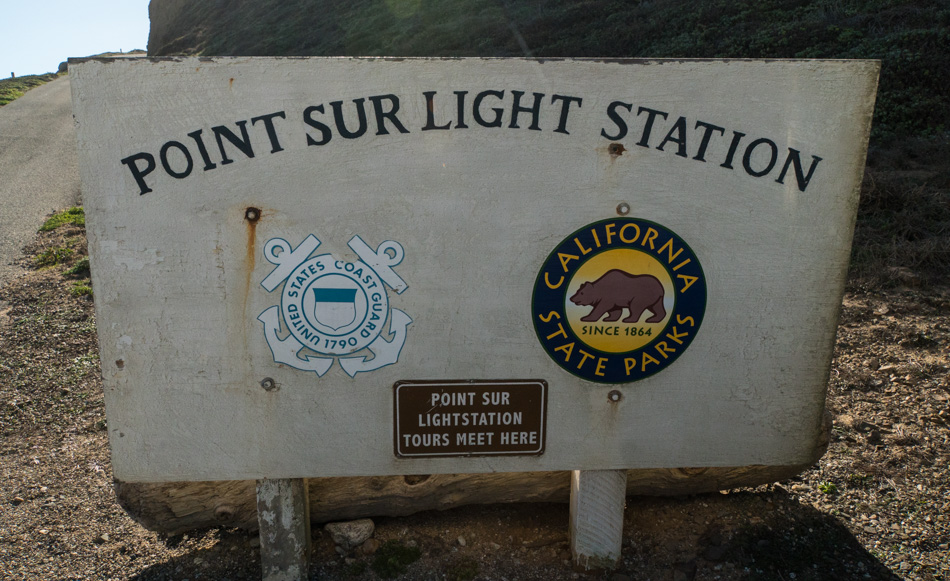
(334, 307)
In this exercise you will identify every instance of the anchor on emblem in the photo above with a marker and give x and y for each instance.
(332, 309)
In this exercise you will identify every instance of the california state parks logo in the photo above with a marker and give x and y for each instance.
(619, 300)
(334, 310)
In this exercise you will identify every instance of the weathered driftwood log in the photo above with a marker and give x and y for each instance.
(177, 507)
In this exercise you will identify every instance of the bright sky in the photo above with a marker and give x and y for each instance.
(37, 35)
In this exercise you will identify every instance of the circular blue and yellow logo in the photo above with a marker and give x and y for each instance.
(619, 300)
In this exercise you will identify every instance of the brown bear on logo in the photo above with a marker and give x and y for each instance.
(617, 290)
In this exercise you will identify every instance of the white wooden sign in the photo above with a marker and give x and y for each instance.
(277, 243)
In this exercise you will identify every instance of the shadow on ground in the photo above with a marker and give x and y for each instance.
(763, 535)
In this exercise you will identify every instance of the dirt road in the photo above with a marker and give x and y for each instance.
(38, 168)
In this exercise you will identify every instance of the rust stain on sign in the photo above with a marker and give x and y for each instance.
(251, 216)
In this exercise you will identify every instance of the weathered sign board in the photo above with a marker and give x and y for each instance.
(337, 267)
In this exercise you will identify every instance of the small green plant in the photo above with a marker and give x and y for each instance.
(828, 488)
(81, 288)
(53, 256)
(80, 269)
(393, 558)
(15, 87)
(75, 216)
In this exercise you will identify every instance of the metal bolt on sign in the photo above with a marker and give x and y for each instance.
(269, 384)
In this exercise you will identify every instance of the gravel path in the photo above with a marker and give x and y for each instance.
(38, 168)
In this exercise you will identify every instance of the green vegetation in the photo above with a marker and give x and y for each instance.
(52, 377)
(829, 488)
(911, 38)
(64, 254)
(81, 288)
(393, 558)
(75, 216)
(13, 88)
(54, 256)
(80, 269)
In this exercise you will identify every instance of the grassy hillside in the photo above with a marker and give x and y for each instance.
(10, 89)
(912, 38)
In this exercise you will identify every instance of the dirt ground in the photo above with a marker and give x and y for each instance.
(877, 506)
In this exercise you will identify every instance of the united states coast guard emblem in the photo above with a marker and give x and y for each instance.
(334, 310)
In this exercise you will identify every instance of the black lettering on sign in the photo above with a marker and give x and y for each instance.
(390, 115)
(477, 109)
(648, 126)
(461, 109)
(243, 143)
(565, 110)
(759, 157)
(341, 123)
(430, 113)
(794, 159)
(747, 158)
(534, 109)
(697, 140)
(271, 132)
(325, 133)
(189, 163)
(707, 134)
(196, 135)
(679, 129)
(618, 120)
(139, 173)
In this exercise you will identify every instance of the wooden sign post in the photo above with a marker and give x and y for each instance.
(314, 267)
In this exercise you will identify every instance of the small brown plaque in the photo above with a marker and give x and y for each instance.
(469, 418)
